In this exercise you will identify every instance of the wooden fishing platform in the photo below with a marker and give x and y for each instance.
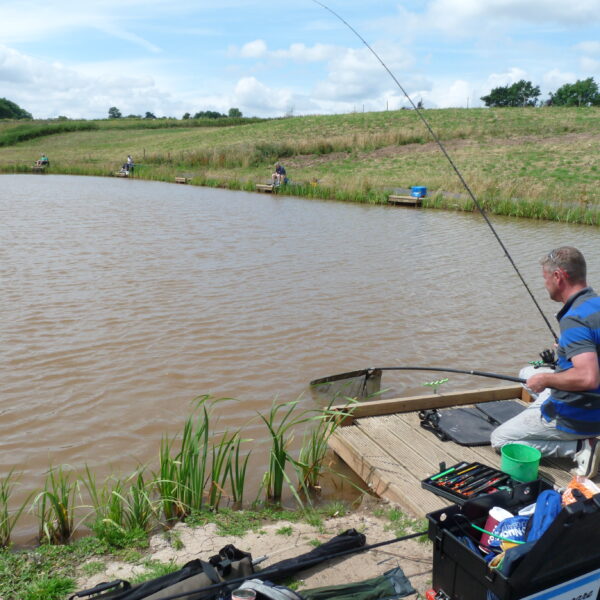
(384, 444)
(38, 168)
(121, 174)
(405, 200)
(266, 188)
(182, 179)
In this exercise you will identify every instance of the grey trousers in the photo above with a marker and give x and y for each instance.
(532, 429)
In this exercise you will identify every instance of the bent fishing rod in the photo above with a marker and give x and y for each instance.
(266, 573)
(367, 373)
(452, 164)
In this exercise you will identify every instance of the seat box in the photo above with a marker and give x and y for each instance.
(570, 547)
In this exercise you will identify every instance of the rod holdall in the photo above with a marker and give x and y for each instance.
(105, 586)
(229, 563)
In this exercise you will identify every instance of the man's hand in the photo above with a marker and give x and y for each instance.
(538, 382)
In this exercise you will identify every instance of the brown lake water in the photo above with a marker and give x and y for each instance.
(124, 300)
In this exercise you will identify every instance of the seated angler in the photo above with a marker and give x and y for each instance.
(279, 176)
(564, 420)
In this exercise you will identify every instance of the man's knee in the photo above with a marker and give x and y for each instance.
(503, 435)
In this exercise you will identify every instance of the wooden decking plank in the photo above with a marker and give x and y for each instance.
(384, 475)
(386, 446)
(377, 429)
(553, 469)
(428, 445)
(376, 408)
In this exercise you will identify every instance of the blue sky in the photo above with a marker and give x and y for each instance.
(269, 58)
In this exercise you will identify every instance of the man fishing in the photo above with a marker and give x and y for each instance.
(563, 422)
(279, 176)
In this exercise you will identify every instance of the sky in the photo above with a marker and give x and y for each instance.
(270, 59)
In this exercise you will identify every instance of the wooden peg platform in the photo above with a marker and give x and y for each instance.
(265, 187)
(405, 200)
(182, 179)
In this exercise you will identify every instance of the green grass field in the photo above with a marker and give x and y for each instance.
(531, 162)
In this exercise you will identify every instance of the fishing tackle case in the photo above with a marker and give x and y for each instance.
(568, 549)
(456, 492)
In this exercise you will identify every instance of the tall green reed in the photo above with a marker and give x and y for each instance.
(281, 423)
(195, 476)
(311, 459)
(220, 468)
(139, 508)
(106, 502)
(238, 467)
(8, 518)
(55, 506)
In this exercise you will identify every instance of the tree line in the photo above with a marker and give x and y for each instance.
(115, 113)
(584, 92)
(10, 110)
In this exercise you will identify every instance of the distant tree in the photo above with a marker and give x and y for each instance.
(234, 112)
(10, 110)
(186, 116)
(208, 114)
(114, 113)
(521, 93)
(149, 115)
(581, 93)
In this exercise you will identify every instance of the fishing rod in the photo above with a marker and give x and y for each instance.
(266, 573)
(374, 371)
(454, 167)
(368, 373)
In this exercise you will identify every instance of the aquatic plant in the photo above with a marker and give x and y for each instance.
(55, 506)
(8, 517)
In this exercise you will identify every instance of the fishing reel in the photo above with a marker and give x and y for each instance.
(548, 358)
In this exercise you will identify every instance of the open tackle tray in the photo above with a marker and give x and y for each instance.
(467, 480)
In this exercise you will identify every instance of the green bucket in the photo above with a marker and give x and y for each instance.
(521, 462)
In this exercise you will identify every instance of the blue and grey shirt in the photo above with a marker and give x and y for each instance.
(579, 321)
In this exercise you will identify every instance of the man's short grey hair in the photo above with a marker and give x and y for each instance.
(568, 259)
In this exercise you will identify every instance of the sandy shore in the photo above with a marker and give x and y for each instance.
(412, 556)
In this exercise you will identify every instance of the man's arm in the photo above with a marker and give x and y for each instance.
(583, 376)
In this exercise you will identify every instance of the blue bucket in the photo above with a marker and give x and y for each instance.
(418, 191)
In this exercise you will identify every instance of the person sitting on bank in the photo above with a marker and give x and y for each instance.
(130, 164)
(279, 176)
(43, 161)
(563, 421)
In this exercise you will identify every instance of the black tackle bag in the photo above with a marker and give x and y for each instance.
(469, 425)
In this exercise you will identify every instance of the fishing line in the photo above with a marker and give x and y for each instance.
(443, 149)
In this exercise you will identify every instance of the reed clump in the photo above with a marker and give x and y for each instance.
(204, 470)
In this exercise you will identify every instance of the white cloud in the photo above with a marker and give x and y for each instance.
(354, 75)
(554, 78)
(297, 51)
(511, 76)
(589, 47)
(49, 89)
(27, 21)
(470, 16)
(260, 99)
(301, 53)
(590, 65)
(255, 49)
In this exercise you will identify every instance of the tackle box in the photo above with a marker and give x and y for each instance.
(465, 481)
(569, 549)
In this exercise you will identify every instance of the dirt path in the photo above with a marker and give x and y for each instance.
(412, 556)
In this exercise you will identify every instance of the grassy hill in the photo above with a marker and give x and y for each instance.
(537, 162)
